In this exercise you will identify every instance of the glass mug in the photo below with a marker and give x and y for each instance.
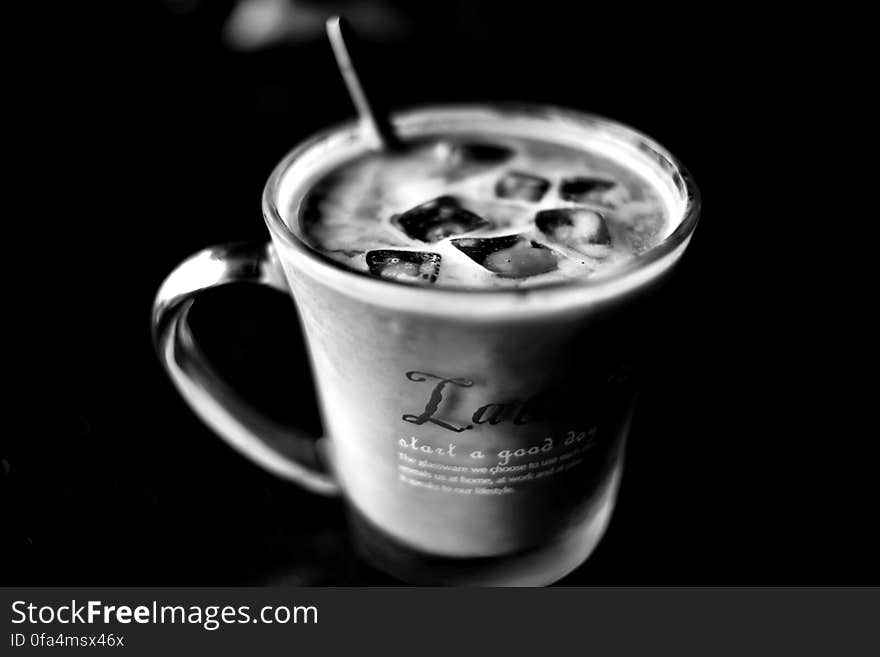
(476, 435)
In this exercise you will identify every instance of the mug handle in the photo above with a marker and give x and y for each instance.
(285, 451)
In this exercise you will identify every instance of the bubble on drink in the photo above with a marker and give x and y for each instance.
(511, 256)
(574, 227)
(593, 190)
(404, 266)
(521, 186)
(438, 219)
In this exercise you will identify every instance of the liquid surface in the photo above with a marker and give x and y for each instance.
(478, 213)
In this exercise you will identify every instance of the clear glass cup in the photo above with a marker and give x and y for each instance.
(477, 436)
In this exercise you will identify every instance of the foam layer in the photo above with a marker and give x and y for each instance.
(476, 212)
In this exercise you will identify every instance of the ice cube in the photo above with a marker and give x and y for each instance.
(406, 266)
(522, 186)
(573, 227)
(511, 256)
(593, 190)
(434, 220)
(473, 153)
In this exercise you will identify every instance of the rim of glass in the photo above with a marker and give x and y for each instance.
(649, 146)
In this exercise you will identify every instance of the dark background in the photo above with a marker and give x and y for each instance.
(739, 470)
